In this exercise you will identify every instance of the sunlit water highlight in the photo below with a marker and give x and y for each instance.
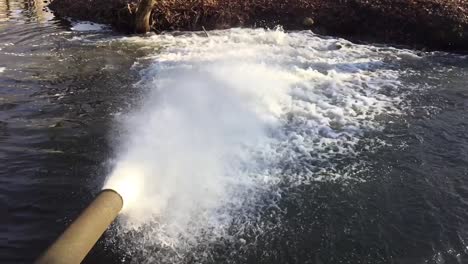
(230, 121)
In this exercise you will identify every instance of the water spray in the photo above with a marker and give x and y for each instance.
(228, 119)
(79, 238)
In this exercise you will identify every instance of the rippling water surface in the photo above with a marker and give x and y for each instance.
(254, 146)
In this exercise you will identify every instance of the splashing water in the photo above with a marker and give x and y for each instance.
(228, 119)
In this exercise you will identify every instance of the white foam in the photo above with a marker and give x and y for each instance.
(84, 26)
(229, 117)
(2, 69)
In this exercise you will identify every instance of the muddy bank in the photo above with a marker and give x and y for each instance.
(432, 24)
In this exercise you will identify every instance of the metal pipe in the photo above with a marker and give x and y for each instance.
(79, 238)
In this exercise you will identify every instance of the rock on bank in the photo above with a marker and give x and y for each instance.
(433, 24)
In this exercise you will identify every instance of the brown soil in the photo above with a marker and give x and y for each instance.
(433, 24)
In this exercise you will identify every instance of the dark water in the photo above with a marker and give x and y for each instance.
(58, 94)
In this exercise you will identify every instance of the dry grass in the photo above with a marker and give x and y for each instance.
(441, 24)
(193, 14)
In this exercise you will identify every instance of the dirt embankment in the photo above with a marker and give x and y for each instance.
(433, 24)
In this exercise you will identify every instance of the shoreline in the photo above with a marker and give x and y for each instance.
(422, 24)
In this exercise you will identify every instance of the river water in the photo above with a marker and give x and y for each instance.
(246, 146)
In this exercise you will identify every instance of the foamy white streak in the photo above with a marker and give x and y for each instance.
(84, 26)
(225, 114)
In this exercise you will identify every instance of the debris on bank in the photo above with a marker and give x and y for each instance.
(432, 24)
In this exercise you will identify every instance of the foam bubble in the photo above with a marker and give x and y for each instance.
(84, 26)
(228, 118)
